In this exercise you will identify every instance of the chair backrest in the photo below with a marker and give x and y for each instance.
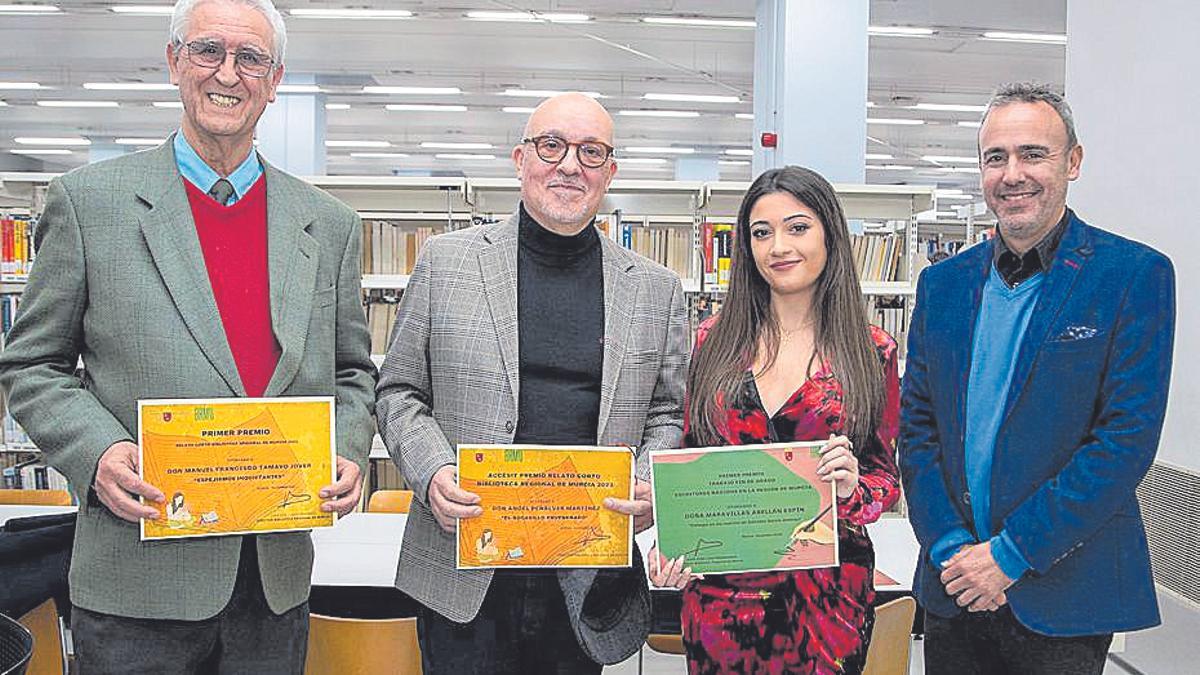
(49, 656)
(362, 646)
(36, 497)
(666, 643)
(390, 501)
(891, 638)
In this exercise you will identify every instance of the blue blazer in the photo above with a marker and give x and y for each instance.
(1081, 424)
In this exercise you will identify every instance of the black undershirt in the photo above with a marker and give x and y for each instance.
(560, 310)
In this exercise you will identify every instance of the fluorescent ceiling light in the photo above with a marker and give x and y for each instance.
(951, 159)
(423, 107)
(463, 155)
(642, 160)
(733, 162)
(955, 198)
(517, 109)
(948, 107)
(973, 125)
(900, 31)
(78, 104)
(744, 116)
(441, 145)
(707, 23)
(661, 150)
(740, 152)
(29, 9)
(20, 85)
(640, 167)
(894, 121)
(877, 156)
(145, 10)
(1035, 38)
(351, 13)
(40, 151)
(379, 155)
(358, 144)
(871, 104)
(889, 167)
(73, 140)
(298, 89)
(168, 104)
(529, 17)
(959, 169)
(337, 106)
(433, 91)
(659, 113)
(140, 141)
(129, 86)
(692, 98)
(546, 93)
(3, 104)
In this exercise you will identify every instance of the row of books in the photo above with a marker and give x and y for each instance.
(16, 246)
(381, 309)
(877, 256)
(670, 247)
(33, 475)
(716, 246)
(8, 313)
(390, 249)
(889, 314)
(932, 247)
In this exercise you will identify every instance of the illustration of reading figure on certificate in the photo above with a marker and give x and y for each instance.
(178, 515)
(485, 547)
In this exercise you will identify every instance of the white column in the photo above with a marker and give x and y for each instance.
(810, 85)
(1134, 89)
(291, 132)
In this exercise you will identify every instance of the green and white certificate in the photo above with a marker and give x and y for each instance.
(746, 508)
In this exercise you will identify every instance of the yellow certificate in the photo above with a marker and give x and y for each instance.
(542, 506)
(237, 465)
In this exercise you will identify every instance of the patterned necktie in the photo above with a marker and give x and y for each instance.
(221, 191)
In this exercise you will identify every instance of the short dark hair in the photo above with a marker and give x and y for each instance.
(1034, 92)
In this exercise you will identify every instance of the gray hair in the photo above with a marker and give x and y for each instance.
(183, 12)
(1034, 92)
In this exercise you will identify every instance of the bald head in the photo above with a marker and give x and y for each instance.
(562, 193)
(567, 111)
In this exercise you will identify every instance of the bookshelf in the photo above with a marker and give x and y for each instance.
(648, 207)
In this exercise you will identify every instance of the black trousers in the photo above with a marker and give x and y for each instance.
(995, 643)
(522, 629)
(244, 637)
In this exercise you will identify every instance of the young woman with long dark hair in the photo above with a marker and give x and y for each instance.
(791, 357)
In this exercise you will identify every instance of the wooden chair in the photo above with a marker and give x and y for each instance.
(663, 643)
(891, 638)
(390, 501)
(338, 646)
(49, 653)
(36, 497)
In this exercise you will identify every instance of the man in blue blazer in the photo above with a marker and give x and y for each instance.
(1036, 383)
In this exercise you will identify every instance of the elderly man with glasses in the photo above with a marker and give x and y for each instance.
(539, 329)
(192, 270)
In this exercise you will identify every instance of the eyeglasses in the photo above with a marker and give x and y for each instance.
(210, 54)
(552, 149)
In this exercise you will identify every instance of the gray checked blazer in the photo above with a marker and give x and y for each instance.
(120, 280)
(451, 376)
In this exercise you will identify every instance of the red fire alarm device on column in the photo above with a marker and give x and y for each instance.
(770, 139)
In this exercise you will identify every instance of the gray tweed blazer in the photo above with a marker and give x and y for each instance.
(451, 376)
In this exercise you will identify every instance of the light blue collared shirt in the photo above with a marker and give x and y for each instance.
(202, 176)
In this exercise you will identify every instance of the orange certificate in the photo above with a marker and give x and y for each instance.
(542, 506)
(237, 465)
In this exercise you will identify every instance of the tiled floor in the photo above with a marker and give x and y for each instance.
(1170, 649)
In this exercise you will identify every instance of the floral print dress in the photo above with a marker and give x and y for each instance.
(805, 621)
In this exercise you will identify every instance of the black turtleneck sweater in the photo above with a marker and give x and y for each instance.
(560, 309)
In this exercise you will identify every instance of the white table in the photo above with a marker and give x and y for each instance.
(8, 511)
(363, 549)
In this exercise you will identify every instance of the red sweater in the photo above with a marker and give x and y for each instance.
(234, 241)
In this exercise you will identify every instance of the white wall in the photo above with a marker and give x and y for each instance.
(1133, 83)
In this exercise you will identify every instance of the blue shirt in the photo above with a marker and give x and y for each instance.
(1003, 318)
(193, 168)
